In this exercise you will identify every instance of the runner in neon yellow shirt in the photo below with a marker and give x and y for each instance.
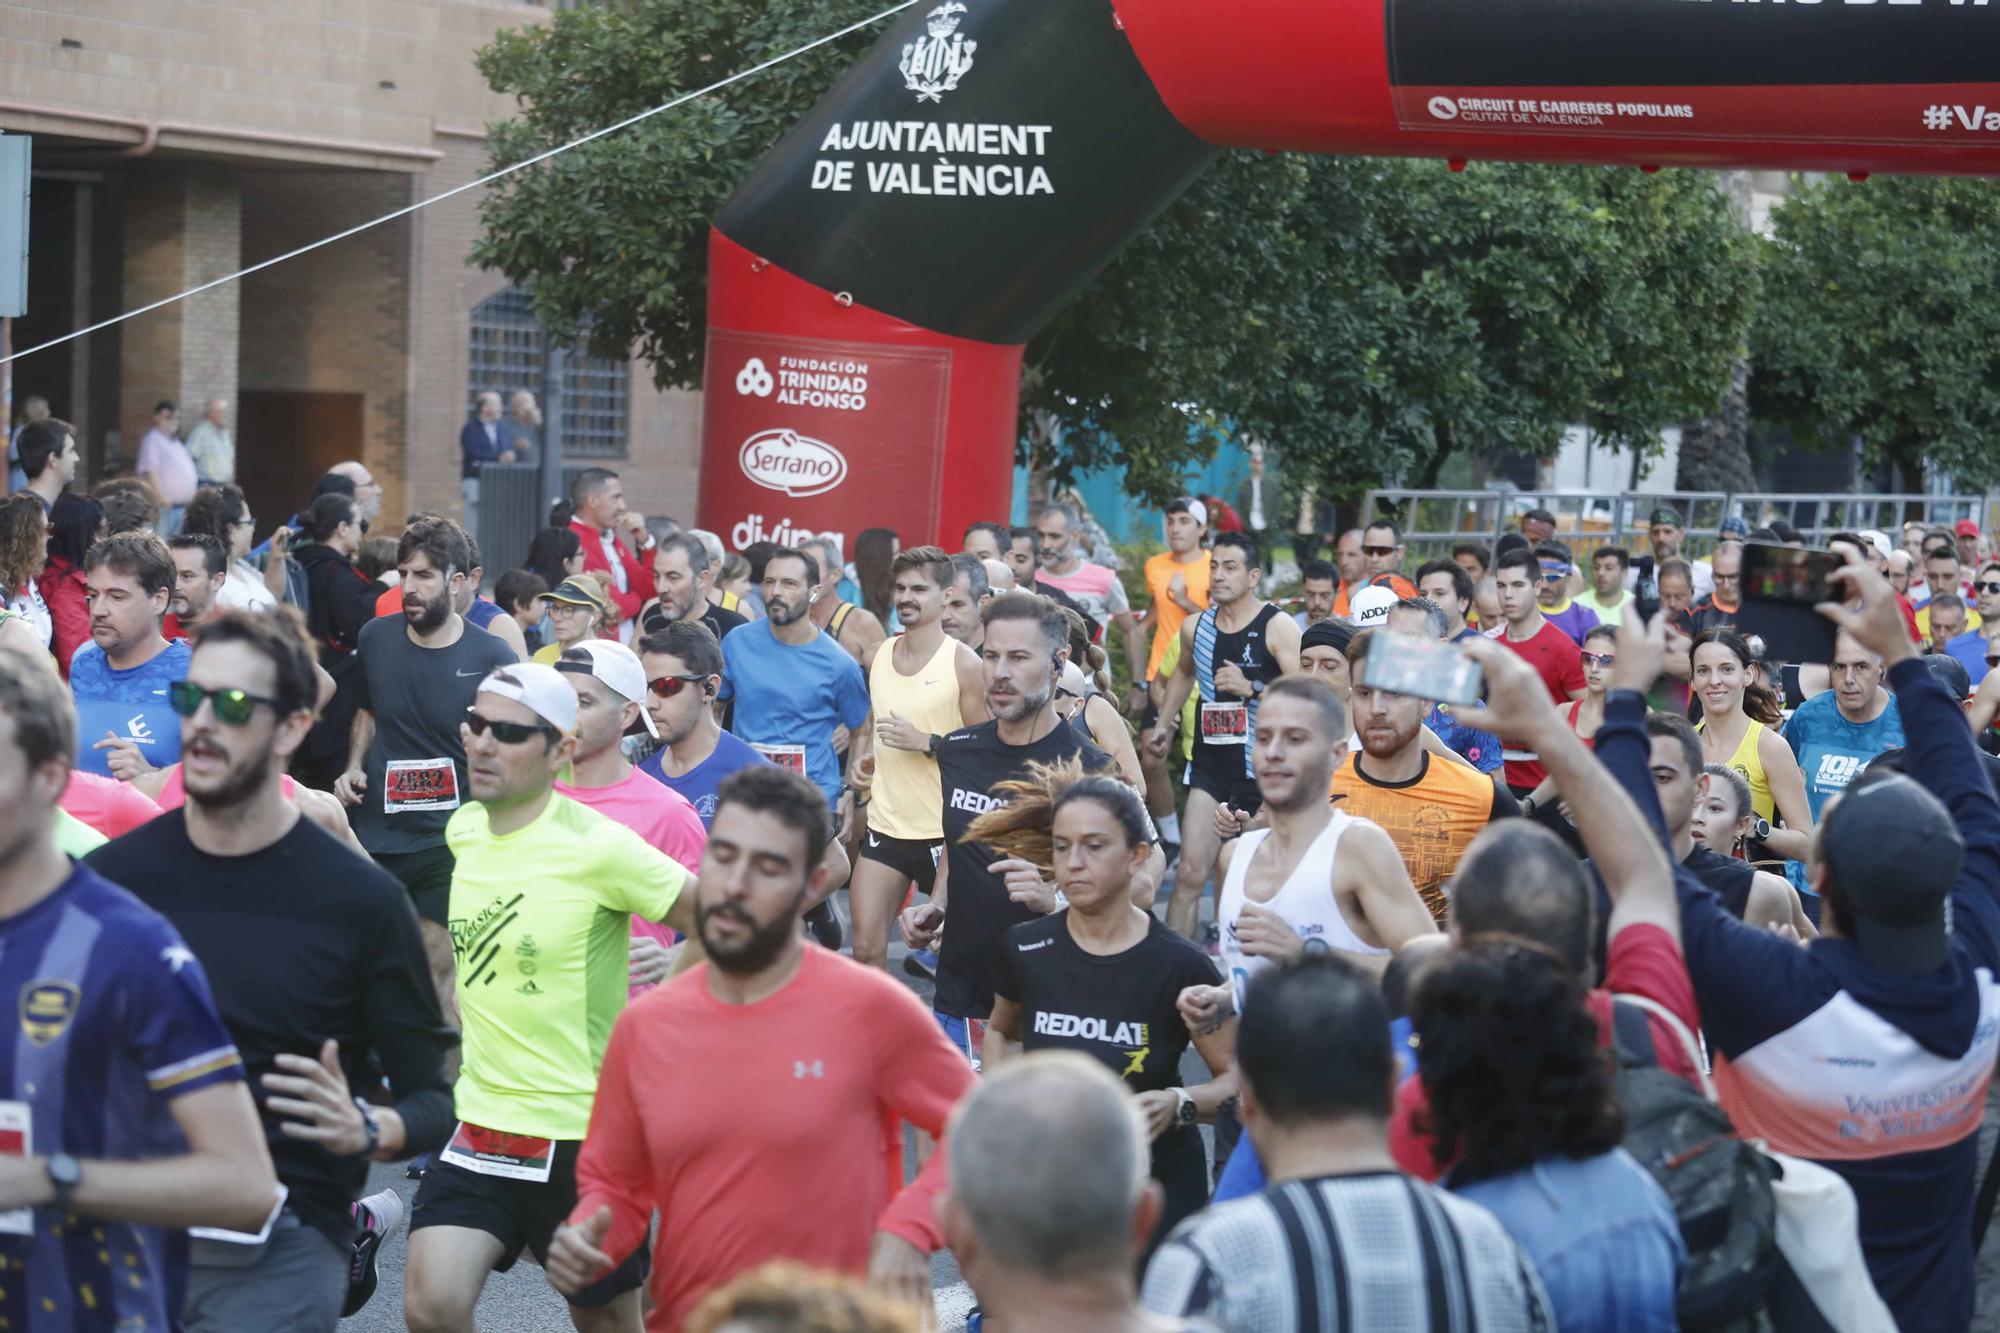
(542, 898)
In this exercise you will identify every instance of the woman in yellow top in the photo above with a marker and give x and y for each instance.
(1739, 728)
(579, 609)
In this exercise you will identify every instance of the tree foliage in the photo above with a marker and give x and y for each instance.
(1366, 317)
(1881, 319)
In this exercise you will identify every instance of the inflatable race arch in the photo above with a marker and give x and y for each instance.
(873, 282)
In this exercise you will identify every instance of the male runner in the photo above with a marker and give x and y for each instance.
(1177, 579)
(116, 1036)
(1319, 584)
(1022, 555)
(1025, 638)
(1382, 552)
(405, 762)
(1422, 618)
(985, 541)
(1556, 657)
(1353, 567)
(855, 628)
(778, 1149)
(1726, 598)
(1607, 597)
(318, 969)
(1447, 585)
(1317, 878)
(541, 896)
(200, 569)
(1229, 653)
(682, 576)
(683, 667)
(610, 687)
(922, 684)
(120, 678)
(1552, 597)
(969, 591)
(792, 684)
(1094, 589)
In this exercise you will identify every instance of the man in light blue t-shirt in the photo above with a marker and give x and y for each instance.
(793, 686)
(125, 723)
(1834, 735)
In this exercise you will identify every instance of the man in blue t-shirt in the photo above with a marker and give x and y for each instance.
(120, 1054)
(1834, 735)
(120, 678)
(792, 684)
(683, 672)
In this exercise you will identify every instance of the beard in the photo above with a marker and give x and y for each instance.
(237, 784)
(756, 951)
(1374, 749)
(784, 613)
(424, 617)
(1026, 703)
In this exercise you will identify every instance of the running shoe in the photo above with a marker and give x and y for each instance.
(824, 922)
(921, 964)
(377, 1218)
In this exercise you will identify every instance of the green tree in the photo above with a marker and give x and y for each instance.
(1880, 319)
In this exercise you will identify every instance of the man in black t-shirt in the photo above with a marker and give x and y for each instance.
(1026, 637)
(317, 968)
(681, 578)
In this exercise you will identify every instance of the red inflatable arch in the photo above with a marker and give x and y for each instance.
(873, 282)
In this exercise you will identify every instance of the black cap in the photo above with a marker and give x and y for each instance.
(1334, 634)
(1949, 672)
(1892, 853)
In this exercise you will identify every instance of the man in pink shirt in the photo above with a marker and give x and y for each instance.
(787, 1147)
(165, 463)
(610, 685)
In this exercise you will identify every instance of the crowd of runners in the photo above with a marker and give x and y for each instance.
(1653, 989)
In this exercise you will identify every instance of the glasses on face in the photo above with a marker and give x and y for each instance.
(1378, 550)
(233, 707)
(1600, 659)
(1729, 578)
(507, 733)
(666, 687)
(1990, 588)
(1554, 575)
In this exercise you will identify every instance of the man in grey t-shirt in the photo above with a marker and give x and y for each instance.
(405, 759)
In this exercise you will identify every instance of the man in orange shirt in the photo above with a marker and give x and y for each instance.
(1177, 578)
(789, 1146)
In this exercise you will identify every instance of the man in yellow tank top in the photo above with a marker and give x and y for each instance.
(923, 684)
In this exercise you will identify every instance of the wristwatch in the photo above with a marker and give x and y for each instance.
(65, 1174)
(374, 1126)
(1761, 830)
(1184, 1112)
(930, 744)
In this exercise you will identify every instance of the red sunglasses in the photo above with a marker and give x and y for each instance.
(666, 687)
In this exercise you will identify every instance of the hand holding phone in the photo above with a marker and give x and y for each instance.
(1426, 668)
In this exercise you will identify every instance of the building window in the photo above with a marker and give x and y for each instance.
(506, 356)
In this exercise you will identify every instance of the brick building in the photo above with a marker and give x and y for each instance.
(179, 140)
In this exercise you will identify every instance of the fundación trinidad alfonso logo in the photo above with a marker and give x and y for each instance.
(933, 65)
(755, 378)
(798, 465)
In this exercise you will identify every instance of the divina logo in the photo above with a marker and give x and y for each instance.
(798, 465)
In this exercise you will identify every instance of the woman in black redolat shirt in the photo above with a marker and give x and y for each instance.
(1102, 976)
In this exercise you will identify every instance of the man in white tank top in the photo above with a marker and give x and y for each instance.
(1316, 879)
(923, 684)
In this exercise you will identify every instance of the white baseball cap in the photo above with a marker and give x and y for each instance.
(1370, 607)
(540, 687)
(1878, 539)
(615, 665)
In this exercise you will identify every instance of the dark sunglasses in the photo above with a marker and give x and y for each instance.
(1599, 659)
(666, 687)
(1990, 588)
(231, 706)
(507, 733)
(1379, 550)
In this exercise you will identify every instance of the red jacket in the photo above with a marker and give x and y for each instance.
(66, 595)
(638, 578)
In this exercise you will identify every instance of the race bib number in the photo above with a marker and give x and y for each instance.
(1225, 724)
(419, 784)
(17, 1139)
(488, 1152)
(792, 757)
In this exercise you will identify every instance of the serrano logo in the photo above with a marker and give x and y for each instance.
(1444, 108)
(798, 465)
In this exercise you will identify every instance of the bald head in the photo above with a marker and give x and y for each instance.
(1048, 1165)
(999, 576)
(1517, 878)
(367, 492)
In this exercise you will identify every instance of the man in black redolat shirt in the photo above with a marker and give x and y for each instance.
(1026, 638)
(317, 967)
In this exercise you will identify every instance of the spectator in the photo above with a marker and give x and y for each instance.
(120, 679)
(480, 441)
(524, 425)
(367, 491)
(75, 525)
(34, 408)
(1528, 1125)
(165, 465)
(578, 610)
(874, 551)
(1966, 540)
(1312, 1052)
(375, 557)
(341, 602)
(210, 446)
(24, 552)
(733, 582)
(519, 593)
(1260, 500)
(221, 512)
(48, 458)
(130, 505)
(598, 497)
(1048, 1199)
(555, 554)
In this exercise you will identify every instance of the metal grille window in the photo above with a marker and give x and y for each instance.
(506, 356)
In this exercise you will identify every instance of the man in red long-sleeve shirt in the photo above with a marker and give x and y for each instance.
(598, 499)
(789, 1145)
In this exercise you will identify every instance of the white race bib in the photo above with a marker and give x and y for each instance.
(791, 757)
(1225, 723)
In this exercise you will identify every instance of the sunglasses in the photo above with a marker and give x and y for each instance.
(666, 687)
(507, 733)
(1599, 659)
(1990, 588)
(1379, 550)
(1556, 576)
(233, 707)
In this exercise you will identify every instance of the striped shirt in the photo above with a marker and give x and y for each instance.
(1373, 1253)
(115, 1021)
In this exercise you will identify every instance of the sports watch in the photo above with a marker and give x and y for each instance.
(1184, 1112)
(1761, 830)
(65, 1174)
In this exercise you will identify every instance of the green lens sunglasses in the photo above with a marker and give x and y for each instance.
(233, 707)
